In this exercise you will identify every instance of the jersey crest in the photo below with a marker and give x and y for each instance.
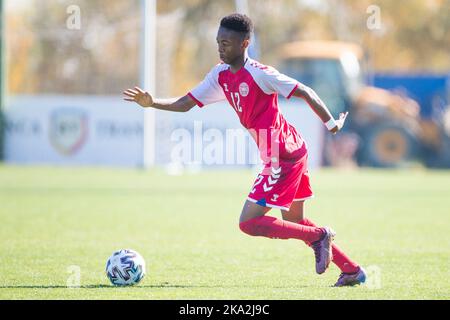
(244, 89)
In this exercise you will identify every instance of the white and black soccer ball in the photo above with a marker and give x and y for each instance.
(125, 268)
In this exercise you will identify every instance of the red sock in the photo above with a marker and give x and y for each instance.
(274, 228)
(339, 257)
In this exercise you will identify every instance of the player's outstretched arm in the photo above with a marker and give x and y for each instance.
(319, 107)
(145, 100)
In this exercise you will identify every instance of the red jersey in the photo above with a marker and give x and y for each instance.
(253, 94)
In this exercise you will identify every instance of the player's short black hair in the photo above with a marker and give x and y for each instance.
(238, 22)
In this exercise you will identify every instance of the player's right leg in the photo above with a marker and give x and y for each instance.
(352, 273)
(323, 247)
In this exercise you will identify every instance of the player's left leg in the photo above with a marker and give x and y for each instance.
(352, 273)
(254, 222)
(276, 187)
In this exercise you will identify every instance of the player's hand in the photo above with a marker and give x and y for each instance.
(340, 123)
(144, 99)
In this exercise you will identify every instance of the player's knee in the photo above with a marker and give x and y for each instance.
(250, 227)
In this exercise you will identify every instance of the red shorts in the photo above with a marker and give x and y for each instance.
(280, 184)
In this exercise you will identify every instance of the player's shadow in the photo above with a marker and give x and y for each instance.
(96, 286)
(107, 286)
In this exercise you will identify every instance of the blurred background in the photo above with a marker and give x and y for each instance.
(65, 64)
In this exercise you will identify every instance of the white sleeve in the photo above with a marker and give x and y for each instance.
(272, 81)
(208, 91)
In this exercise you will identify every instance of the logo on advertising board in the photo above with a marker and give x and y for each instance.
(68, 130)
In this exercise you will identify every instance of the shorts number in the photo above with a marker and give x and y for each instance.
(258, 181)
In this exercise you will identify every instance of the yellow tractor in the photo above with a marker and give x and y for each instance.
(384, 129)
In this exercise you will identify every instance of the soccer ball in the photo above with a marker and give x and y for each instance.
(125, 268)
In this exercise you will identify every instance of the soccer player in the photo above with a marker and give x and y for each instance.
(252, 90)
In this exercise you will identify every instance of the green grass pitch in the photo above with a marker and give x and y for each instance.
(396, 223)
